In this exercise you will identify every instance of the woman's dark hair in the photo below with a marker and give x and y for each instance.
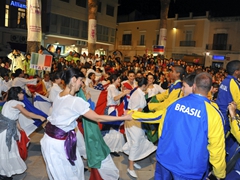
(141, 81)
(112, 78)
(18, 72)
(13, 93)
(69, 73)
(56, 75)
(90, 75)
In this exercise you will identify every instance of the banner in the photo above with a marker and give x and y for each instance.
(34, 20)
(41, 61)
(92, 31)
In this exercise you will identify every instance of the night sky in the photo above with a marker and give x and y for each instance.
(217, 8)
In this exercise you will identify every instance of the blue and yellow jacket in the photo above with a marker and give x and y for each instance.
(189, 137)
(171, 94)
(228, 92)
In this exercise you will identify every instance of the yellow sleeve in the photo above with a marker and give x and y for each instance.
(235, 93)
(153, 118)
(160, 127)
(162, 96)
(235, 129)
(216, 142)
(175, 94)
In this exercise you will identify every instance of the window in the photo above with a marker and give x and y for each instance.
(110, 10)
(188, 35)
(99, 7)
(82, 3)
(157, 39)
(127, 39)
(142, 40)
(102, 33)
(21, 18)
(220, 41)
(6, 15)
(112, 38)
(84, 29)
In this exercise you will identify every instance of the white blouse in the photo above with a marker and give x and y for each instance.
(137, 100)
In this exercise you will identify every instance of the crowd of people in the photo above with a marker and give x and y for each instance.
(192, 107)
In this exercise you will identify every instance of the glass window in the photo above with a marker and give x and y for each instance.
(6, 15)
(21, 22)
(82, 3)
(99, 7)
(126, 39)
(65, 21)
(142, 40)
(188, 35)
(110, 10)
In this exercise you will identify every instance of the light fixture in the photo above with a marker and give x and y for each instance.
(56, 42)
(207, 53)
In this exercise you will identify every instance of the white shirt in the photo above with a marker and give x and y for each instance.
(54, 91)
(9, 111)
(21, 82)
(155, 90)
(112, 92)
(48, 84)
(3, 87)
(66, 110)
(137, 100)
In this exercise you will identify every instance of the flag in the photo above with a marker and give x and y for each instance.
(39, 88)
(29, 125)
(96, 148)
(42, 103)
(41, 61)
(158, 49)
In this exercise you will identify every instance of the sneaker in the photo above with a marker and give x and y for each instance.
(132, 173)
(137, 166)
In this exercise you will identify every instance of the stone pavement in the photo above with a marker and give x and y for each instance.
(37, 171)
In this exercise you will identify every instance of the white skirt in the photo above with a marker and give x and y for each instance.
(10, 161)
(115, 140)
(137, 145)
(58, 167)
(108, 169)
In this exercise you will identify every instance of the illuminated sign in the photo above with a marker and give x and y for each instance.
(18, 4)
(218, 57)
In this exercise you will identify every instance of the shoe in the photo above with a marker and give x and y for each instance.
(132, 173)
(114, 154)
(137, 166)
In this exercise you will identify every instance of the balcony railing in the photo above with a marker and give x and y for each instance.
(227, 47)
(188, 43)
(125, 43)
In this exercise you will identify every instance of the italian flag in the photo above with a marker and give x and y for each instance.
(41, 61)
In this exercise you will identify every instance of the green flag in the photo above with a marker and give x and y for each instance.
(96, 148)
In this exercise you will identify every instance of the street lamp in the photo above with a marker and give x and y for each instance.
(206, 54)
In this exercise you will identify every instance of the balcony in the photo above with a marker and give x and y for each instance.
(227, 47)
(188, 43)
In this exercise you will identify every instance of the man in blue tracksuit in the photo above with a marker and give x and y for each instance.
(191, 136)
(229, 91)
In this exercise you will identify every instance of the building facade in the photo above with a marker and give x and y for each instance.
(64, 24)
(209, 41)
